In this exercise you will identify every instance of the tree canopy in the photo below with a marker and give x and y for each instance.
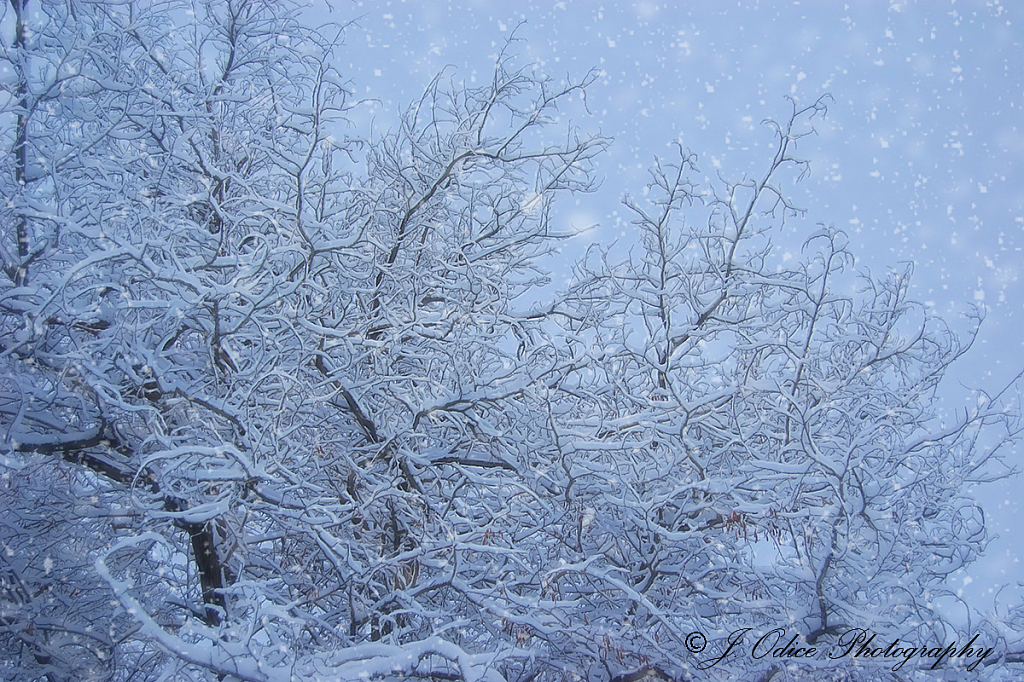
(274, 405)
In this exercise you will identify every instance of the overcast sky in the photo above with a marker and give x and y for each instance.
(921, 156)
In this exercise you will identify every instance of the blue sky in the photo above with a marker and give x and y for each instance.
(921, 157)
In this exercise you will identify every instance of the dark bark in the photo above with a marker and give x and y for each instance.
(21, 141)
(74, 448)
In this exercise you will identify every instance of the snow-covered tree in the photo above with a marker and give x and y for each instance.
(752, 444)
(274, 405)
(168, 162)
(241, 384)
